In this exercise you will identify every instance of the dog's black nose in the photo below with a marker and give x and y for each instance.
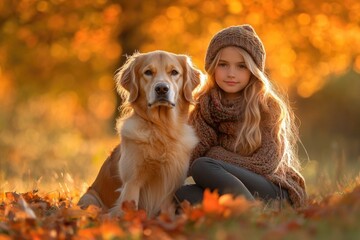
(162, 88)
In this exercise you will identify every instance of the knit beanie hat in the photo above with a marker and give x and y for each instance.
(242, 36)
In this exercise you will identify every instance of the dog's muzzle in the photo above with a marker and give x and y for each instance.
(162, 95)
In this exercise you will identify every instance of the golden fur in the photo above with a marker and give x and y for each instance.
(156, 141)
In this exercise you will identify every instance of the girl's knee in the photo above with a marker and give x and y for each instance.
(200, 165)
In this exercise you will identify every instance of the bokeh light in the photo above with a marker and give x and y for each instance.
(58, 102)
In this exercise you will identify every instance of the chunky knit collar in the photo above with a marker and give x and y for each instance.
(216, 109)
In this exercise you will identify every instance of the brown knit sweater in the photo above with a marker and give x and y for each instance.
(217, 121)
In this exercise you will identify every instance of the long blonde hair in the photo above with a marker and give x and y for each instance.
(261, 95)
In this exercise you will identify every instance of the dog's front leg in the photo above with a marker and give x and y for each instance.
(129, 193)
(168, 207)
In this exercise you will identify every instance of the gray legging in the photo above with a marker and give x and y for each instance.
(228, 178)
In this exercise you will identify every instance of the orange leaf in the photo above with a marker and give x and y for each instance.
(77, 212)
(3, 237)
(171, 223)
(111, 230)
(211, 202)
(236, 205)
(130, 212)
(196, 214)
(193, 213)
(12, 196)
(88, 233)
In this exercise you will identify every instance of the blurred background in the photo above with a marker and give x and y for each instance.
(58, 102)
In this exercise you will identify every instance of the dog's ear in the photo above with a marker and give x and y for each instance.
(126, 79)
(192, 78)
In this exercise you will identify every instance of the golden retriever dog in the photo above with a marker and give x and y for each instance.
(156, 142)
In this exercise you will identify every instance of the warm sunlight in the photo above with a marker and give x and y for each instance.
(58, 110)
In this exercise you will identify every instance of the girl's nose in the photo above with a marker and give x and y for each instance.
(231, 72)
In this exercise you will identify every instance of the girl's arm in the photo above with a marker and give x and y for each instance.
(264, 160)
(205, 132)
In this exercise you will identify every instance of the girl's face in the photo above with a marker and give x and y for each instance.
(231, 73)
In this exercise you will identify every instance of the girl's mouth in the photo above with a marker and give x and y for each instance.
(230, 83)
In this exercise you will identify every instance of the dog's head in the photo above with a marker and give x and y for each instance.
(158, 78)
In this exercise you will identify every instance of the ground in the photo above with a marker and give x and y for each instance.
(36, 215)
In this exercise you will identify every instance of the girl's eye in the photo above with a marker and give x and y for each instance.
(222, 65)
(148, 72)
(174, 72)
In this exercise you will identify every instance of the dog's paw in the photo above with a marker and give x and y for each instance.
(91, 197)
(106, 217)
(168, 209)
(115, 212)
(120, 209)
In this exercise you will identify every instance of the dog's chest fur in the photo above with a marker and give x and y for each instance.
(163, 143)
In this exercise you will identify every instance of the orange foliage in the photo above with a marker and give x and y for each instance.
(211, 202)
(306, 41)
(31, 215)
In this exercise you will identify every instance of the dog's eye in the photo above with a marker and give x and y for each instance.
(174, 72)
(148, 72)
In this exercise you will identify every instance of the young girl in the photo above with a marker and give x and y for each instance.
(246, 128)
